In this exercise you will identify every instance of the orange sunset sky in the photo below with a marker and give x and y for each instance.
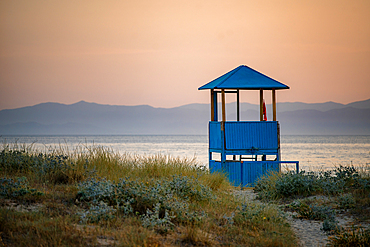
(160, 52)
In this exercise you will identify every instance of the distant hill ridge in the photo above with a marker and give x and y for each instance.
(84, 118)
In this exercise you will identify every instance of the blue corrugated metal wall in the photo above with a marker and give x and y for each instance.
(244, 138)
(248, 172)
(215, 166)
(215, 135)
(247, 135)
(244, 135)
(252, 171)
(233, 170)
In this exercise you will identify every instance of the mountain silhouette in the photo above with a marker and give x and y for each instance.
(85, 118)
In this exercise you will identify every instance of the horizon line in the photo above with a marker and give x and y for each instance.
(83, 101)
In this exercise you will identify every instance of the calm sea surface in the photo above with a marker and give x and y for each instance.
(313, 152)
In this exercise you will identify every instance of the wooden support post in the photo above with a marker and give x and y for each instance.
(273, 105)
(223, 105)
(261, 105)
(237, 106)
(215, 105)
(212, 106)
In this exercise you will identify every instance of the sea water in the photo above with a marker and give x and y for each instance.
(312, 152)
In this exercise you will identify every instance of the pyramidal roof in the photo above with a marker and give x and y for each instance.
(244, 77)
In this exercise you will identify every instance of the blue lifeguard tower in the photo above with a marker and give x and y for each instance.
(244, 150)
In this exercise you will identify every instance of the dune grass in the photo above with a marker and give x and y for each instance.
(114, 166)
(323, 194)
(94, 196)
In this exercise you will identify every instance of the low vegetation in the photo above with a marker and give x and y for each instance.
(96, 197)
(93, 196)
(322, 196)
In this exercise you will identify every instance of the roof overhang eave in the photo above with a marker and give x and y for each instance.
(256, 88)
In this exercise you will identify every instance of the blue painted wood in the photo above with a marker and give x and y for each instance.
(251, 135)
(246, 173)
(233, 170)
(244, 137)
(215, 135)
(215, 166)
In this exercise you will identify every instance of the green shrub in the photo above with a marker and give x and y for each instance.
(346, 173)
(265, 186)
(256, 213)
(54, 169)
(132, 196)
(297, 184)
(18, 160)
(312, 212)
(330, 226)
(47, 168)
(309, 183)
(97, 212)
(153, 220)
(346, 201)
(10, 188)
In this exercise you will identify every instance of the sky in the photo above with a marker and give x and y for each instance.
(159, 52)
